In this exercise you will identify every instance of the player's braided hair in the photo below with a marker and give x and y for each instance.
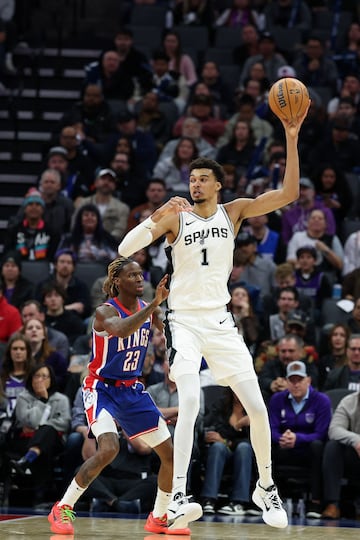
(114, 269)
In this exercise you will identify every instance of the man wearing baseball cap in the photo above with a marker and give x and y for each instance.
(114, 213)
(299, 421)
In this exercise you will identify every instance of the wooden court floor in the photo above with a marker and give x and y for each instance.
(100, 528)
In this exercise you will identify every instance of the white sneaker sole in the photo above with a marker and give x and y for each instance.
(260, 503)
(186, 513)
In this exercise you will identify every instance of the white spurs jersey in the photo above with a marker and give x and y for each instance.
(201, 259)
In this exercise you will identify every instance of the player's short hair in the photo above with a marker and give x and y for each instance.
(206, 163)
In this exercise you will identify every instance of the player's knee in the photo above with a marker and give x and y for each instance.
(108, 447)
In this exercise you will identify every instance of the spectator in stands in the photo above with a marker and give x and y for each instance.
(347, 109)
(339, 147)
(142, 143)
(42, 352)
(284, 276)
(134, 65)
(219, 89)
(58, 341)
(336, 355)
(330, 253)
(250, 267)
(227, 441)
(43, 420)
(347, 375)
(269, 243)
(257, 89)
(249, 45)
(332, 189)
(91, 116)
(169, 85)
(88, 239)
(77, 292)
(354, 320)
(16, 366)
(310, 280)
(287, 301)
(58, 208)
(112, 75)
(114, 213)
(155, 197)
(192, 13)
(240, 149)
(17, 289)
(67, 321)
(342, 452)
(314, 66)
(192, 128)
(132, 182)
(74, 182)
(299, 420)
(245, 318)
(351, 285)
(314, 129)
(268, 56)
(239, 14)
(272, 376)
(350, 88)
(352, 256)
(347, 56)
(180, 62)
(289, 14)
(32, 237)
(201, 108)
(175, 170)
(262, 130)
(151, 118)
(295, 218)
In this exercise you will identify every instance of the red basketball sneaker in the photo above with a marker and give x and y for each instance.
(159, 525)
(61, 518)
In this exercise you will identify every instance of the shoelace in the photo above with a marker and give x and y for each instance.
(274, 499)
(67, 514)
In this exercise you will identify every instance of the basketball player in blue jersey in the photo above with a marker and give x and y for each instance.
(114, 397)
(200, 242)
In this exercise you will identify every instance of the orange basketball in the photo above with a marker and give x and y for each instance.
(288, 98)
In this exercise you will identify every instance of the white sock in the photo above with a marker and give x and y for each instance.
(161, 503)
(72, 494)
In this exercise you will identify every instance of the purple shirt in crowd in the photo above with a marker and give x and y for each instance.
(295, 219)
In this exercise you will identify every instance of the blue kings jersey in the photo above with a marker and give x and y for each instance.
(201, 259)
(120, 358)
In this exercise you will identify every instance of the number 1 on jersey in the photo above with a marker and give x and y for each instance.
(204, 261)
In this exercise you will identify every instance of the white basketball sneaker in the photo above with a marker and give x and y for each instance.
(181, 512)
(271, 505)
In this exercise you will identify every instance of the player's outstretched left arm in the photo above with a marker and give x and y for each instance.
(240, 209)
(163, 221)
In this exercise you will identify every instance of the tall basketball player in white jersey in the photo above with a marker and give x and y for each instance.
(200, 242)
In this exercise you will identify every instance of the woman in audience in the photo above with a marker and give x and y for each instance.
(88, 239)
(42, 352)
(42, 421)
(175, 170)
(336, 357)
(227, 437)
(239, 150)
(333, 191)
(179, 62)
(16, 366)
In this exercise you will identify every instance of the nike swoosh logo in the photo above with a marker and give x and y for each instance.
(189, 222)
(222, 322)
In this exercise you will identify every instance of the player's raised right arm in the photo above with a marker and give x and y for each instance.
(159, 223)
